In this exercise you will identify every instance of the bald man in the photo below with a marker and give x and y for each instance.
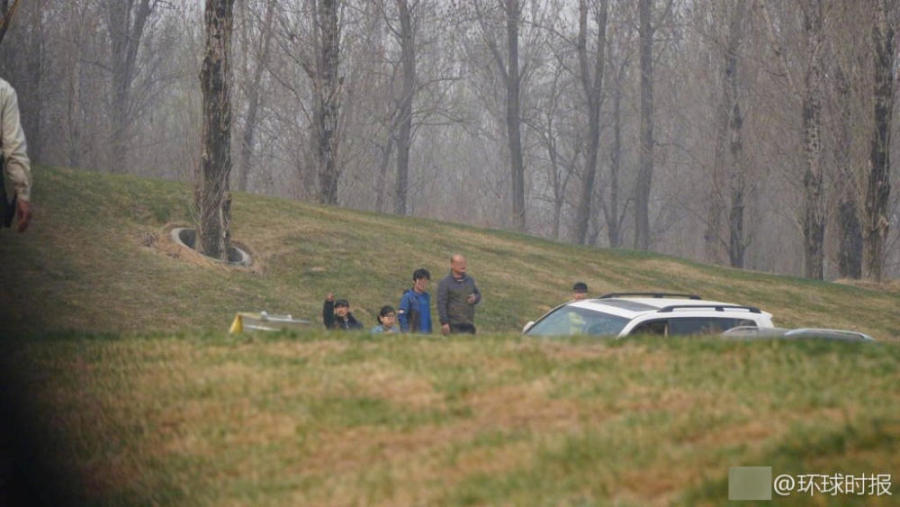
(457, 296)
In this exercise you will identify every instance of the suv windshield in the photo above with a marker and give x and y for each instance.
(570, 320)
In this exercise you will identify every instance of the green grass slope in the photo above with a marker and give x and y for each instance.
(120, 385)
(97, 260)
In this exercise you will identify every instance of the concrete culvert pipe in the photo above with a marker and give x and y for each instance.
(188, 238)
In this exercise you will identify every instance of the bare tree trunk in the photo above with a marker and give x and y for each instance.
(404, 136)
(72, 69)
(645, 169)
(73, 111)
(737, 245)
(592, 85)
(736, 242)
(878, 190)
(849, 228)
(327, 100)
(613, 229)
(513, 116)
(712, 237)
(615, 217)
(212, 196)
(814, 212)
(725, 130)
(382, 174)
(254, 98)
(32, 111)
(125, 34)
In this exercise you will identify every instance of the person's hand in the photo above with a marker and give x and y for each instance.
(330, 297)
(23, 213)
(445, 329)
(471, 299)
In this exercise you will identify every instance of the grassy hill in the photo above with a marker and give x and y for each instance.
(122, 386)
(97, 259)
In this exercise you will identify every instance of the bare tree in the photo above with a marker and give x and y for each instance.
(407, 37)
(213, 198)
(260, 58)
(612, 213)
(126, 20)
(592, 85)
(879, 185)
(511, 76)
(728, 127)
(848, 224)
(560, 135)
(327, 93)
(812, 220)
(645, 165)
(737, 243)
(813, 177)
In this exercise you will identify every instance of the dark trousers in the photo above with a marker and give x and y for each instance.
(462, 329)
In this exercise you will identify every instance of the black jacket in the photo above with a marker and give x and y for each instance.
(332, 322)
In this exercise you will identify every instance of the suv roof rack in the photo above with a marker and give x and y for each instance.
(718, 308)
(650, 294)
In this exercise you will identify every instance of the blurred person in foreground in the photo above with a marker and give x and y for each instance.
(15, 184)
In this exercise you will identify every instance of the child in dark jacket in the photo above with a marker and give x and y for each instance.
(336, 314)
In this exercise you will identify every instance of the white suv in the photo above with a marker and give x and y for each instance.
(624, 314)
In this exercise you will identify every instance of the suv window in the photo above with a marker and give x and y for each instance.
(689, 325)
(705, 325)
(569, 320)
(654, 327)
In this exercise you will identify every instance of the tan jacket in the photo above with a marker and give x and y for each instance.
(16, 166)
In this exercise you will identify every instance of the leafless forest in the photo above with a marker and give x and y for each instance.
(751, 133)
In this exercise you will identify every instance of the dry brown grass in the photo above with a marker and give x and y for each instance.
(244, 412)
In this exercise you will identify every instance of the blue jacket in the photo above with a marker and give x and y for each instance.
(415, 311)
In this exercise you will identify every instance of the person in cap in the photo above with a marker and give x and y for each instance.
(579, 291)
(336, 314)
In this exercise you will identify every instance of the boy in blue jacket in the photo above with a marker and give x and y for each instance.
(414, 312)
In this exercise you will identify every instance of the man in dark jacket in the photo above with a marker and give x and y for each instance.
(336, 314)
(457, 296)
(414, 312)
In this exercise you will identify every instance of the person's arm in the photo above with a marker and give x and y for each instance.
(443, 292)
(352, 323)
(476, 293)
(402, 313)
(18, 167)
(328, 312)
(442, 295)
(16, 163)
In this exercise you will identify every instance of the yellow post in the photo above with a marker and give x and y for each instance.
(237, 326)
